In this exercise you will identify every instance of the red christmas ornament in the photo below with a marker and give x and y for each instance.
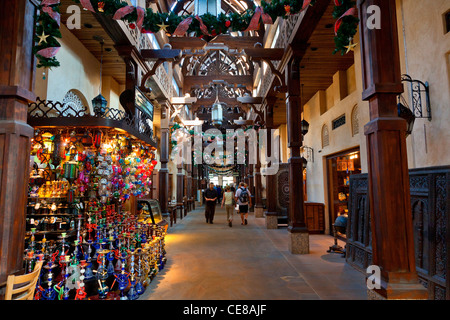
(287, 8)
(227, 23)
(132, 26)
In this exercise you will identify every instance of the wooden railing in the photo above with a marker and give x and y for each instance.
(430, 206)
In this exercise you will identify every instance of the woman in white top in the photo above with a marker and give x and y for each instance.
(228, 201)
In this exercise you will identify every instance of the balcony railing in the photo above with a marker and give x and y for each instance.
(44, 113)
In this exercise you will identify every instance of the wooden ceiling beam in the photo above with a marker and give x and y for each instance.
(157, 54)
(238, 43)
(191, 81)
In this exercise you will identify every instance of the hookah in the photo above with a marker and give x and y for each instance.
(81, 293)
(122, 277)
(66, 278)
(50, 293)
(139, 285)
(132, 293)
(110, 258)
(29, 257)
(102, 274)
(63, 291)
(39, 290)
(88, 268)
(97, 243)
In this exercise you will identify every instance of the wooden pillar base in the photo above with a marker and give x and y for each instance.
(271, 220)
(15, 145)
(398, 291)
(298, 241)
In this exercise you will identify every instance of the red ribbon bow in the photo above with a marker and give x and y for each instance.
(259, 14)
(184, 26)
(49, 10)
(122, 12)
(337, 25)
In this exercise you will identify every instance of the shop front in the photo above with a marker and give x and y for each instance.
(340, 167)
(90, 216)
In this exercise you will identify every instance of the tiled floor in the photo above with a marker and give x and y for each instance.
(249, 262)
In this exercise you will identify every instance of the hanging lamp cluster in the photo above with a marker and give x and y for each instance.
(205, 26)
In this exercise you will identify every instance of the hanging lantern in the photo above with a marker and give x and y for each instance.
(217, 111)
(99, 104)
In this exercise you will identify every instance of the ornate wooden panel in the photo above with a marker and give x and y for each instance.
(430, 207)
(282, 179)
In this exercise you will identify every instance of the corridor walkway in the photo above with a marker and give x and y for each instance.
(248, 262)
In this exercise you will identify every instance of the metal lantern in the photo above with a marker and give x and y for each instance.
(406, 113)
(217, 114)
(99, 104)
(217, 111)
(304, 127)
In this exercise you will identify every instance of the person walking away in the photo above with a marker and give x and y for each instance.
(210, 204)
(244, 200)
(229, 205)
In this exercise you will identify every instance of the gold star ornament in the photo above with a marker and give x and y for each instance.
(43, 38)
(351, 46)
(163, 26)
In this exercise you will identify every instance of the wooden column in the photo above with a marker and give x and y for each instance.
(390, 206)
(299, 236)
(189, 184)
(164, 159)
(259, 208)
(16, 92)
(180, 189)
(271, 191)
(251, 184)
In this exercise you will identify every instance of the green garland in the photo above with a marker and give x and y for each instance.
(347, 29)
(215, 25)
(45, 25)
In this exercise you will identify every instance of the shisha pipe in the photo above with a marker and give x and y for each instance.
(132, 293)
(50, 293)
(122, 278)
(66, 278)
(30, 257)
(102, 274)
(39, 290)
(139, 285)
(81, 293)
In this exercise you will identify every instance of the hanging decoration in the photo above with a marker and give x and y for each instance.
(206, 26)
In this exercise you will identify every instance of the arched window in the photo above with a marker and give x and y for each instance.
(355, 121)
(74, 104)
(325, 136)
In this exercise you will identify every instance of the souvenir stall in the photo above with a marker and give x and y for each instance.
(87, 174)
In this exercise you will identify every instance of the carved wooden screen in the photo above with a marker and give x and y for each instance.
(430, 213)
(283, 189)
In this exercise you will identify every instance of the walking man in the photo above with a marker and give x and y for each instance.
(210, 205)
(244, 200)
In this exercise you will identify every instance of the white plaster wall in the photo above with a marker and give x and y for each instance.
(424, 53)
(79, 70)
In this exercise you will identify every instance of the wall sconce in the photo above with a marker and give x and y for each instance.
(304, 163)
(304, 127)
(406, 113)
